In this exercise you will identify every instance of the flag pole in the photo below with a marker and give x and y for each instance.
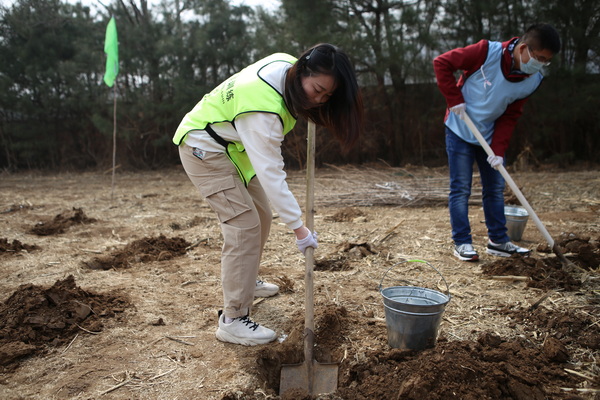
(111, 48)
(114, 155)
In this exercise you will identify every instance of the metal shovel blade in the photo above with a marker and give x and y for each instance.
(310, 376)
(314, 377)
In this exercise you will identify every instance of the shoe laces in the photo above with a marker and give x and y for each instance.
(259, 282)
(248, 322)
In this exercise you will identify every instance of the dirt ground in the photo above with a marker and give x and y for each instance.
(115, 294)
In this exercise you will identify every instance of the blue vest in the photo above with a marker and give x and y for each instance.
(487, 94)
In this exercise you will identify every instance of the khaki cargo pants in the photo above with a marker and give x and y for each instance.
(245, 216)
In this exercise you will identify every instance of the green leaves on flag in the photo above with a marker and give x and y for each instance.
(111, 48)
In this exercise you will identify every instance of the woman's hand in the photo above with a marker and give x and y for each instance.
(305, 238)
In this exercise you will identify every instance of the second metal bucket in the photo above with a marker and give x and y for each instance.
(413, 314)
(516, 219)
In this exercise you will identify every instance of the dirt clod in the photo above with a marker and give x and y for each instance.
(555, 350)
(61, 222)
(348, 214)
(143, 250)
(584, 251)
(15, 246)
(545, 273)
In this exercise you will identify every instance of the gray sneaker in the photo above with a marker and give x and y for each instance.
(465, 252)
(244, 331)
(265, 289)
(506, 249)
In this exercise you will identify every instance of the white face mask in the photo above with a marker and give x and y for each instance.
(532, 66)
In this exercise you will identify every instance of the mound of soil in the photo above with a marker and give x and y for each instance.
(489, 368)
(348, 214)
(545, 273)
(61, 223)
(34, 317)
(572, 327)
(340, 260)
(583, 251)
(15, 247)
(336, 262)
(142, 250)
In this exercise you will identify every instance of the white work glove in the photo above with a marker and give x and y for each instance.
(495, 161)
(459, 109)
(309, 241)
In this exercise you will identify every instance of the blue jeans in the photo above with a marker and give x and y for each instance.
(461, 157)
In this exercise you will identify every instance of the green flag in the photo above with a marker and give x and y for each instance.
(111, 48)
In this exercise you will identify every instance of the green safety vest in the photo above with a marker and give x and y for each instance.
(242, 93)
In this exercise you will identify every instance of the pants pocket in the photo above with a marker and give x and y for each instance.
(224, 197)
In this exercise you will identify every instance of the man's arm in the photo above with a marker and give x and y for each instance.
(467, 59)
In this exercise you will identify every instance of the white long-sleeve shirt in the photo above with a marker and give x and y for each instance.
(262, 135)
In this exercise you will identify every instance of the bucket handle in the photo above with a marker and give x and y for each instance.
(419, 261)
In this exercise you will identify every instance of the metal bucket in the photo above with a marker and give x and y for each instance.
(516, 219)
(413, 314)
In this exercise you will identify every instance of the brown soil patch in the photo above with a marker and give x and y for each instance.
(545, 273)
(549, 273)
(61, 222)
(347, 214)
(581, 249)
(36, 318)
(340, 259)
(15, 246)
(142, 250)
(577, 327)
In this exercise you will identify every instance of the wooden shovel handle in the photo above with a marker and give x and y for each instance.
(309, 322)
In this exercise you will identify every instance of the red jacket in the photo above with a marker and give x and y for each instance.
(469, 59)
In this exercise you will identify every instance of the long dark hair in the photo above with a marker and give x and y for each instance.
(342, 114)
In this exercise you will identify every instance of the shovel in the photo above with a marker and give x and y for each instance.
(516, 191)
(314, 377)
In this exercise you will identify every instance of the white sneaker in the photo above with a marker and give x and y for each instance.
(244, 331)
(505, 249)
(264, 289)
(466, 252)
